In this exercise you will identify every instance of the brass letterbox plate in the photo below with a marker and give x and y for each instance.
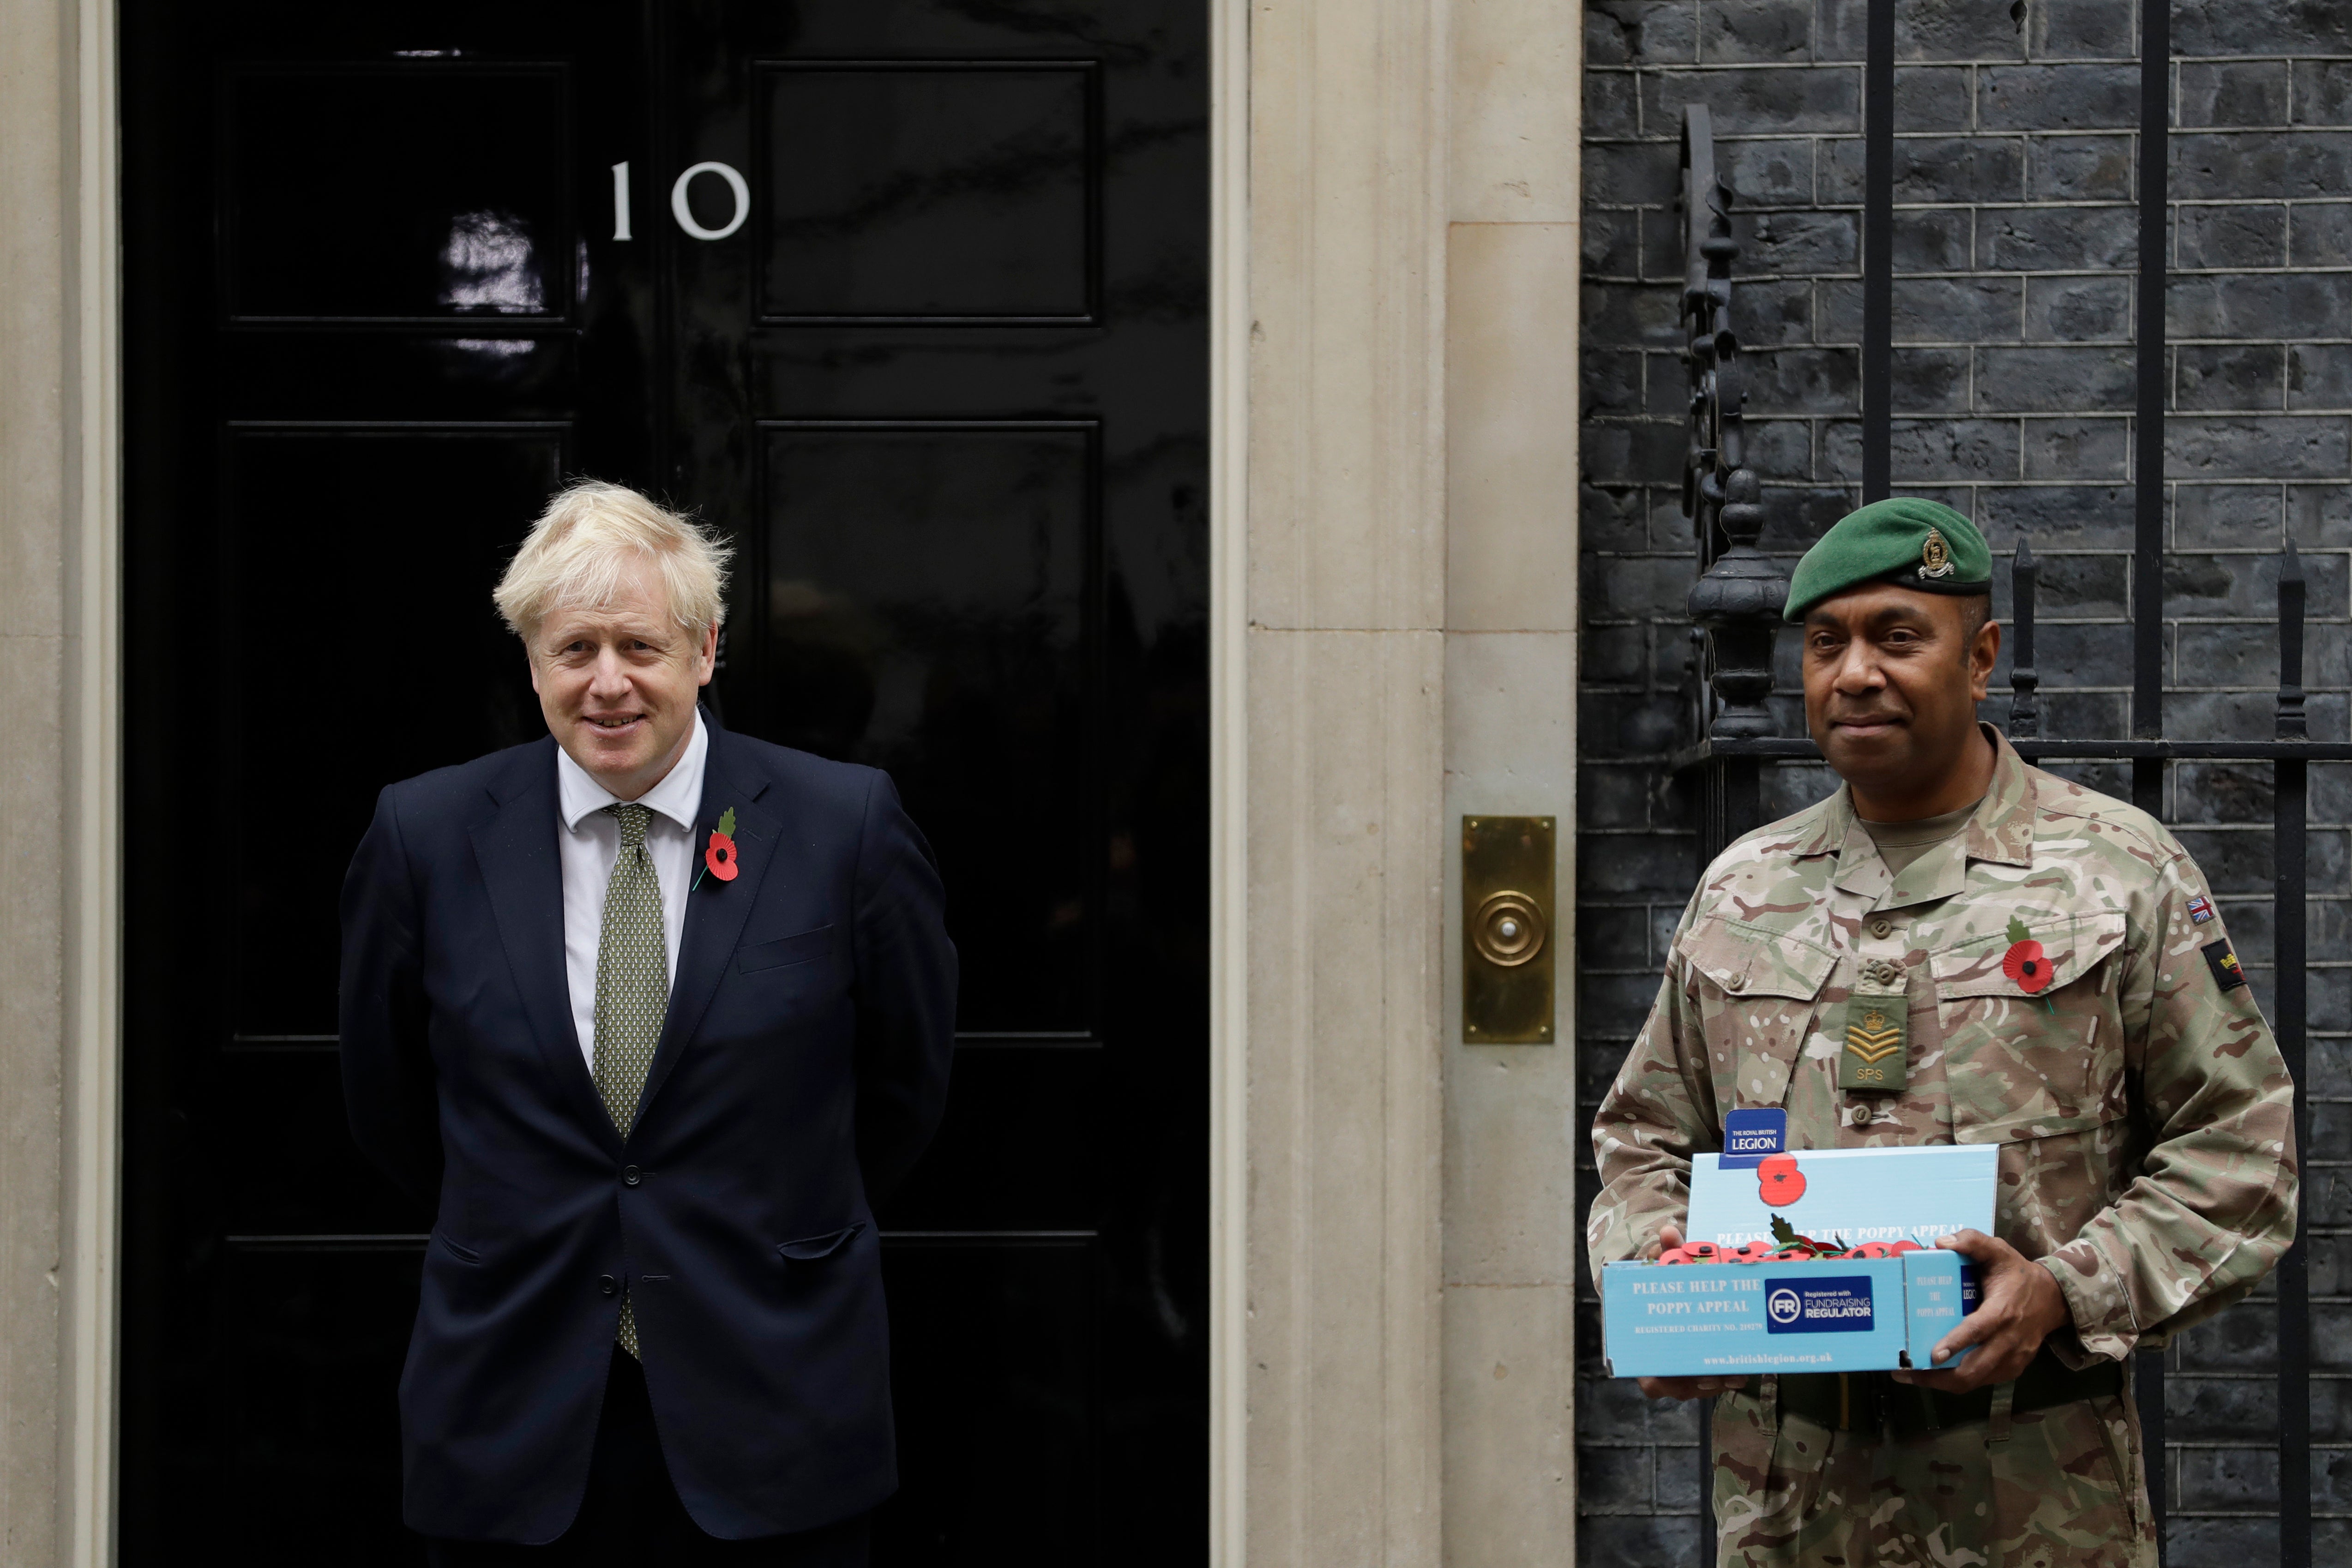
(1508, 942)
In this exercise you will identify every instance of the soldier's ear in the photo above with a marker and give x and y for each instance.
(1984, 652)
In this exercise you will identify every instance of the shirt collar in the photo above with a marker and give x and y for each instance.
(2002, 829)
(678, 796)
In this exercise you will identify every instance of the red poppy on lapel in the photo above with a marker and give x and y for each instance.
(718, 856)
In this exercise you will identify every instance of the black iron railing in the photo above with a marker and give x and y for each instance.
(1736, 605)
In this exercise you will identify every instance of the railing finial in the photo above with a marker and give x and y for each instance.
(1740, 591)
(2293, 723)
(2024, 680)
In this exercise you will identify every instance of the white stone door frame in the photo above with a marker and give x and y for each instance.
(1395, 243)
(60, 847)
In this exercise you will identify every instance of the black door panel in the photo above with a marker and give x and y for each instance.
(464, 212)
(920, 192)
(945, 386)
(1002, 1328)
(319, 531)
(930, 598)
(291, 1460)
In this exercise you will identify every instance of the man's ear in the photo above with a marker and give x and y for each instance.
(531, 661)
(1984, 652)
(710, 654)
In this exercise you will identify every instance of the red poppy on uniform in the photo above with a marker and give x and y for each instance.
(2025, 963)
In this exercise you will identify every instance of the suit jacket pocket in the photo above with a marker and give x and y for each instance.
(460, 1252)
(785, 950)
(808, 1248)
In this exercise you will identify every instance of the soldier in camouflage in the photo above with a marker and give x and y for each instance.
(2056, 979)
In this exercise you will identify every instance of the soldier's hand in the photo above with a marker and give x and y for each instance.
(1670, 1235)
(2019, 1305)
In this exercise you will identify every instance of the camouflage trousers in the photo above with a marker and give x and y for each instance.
(2061, 1488)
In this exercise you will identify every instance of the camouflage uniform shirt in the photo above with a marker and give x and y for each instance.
(2144, 1115)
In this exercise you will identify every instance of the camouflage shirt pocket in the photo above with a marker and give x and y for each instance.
(2033, 1029)
(1756, 998)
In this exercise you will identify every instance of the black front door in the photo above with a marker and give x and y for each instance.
(910, 298)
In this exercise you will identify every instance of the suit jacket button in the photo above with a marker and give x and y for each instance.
(607, 1285)
(632, 1176)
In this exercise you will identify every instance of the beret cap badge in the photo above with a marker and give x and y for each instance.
(1934, 555)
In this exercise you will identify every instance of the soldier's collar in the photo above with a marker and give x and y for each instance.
(2002, 829)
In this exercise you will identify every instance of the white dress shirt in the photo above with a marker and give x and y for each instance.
(589, 842)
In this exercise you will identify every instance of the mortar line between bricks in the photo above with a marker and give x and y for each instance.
(2003, 274)
(2028, 204)
(1957, 133)
(1984, 62)
(2218, 1513)
(1607, 1511)
(2245, 1445)
(1627, 1445)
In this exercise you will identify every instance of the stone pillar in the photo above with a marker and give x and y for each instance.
(57, 638)
(1331, 599)
(1511, 1128)
(1395, 568)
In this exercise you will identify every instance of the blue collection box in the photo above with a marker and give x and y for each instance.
(1843, 1314)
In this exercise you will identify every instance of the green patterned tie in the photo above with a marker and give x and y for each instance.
(632, 988)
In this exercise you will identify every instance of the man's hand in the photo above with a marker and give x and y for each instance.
(2019, 1305)
(1670, 1235)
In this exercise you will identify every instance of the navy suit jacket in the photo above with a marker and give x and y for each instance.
(801, 1069)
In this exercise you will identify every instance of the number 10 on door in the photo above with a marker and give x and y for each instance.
(678, 206)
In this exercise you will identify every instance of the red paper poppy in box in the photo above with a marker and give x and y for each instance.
(1783, 1181)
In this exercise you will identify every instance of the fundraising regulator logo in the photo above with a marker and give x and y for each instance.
(1840, 1304)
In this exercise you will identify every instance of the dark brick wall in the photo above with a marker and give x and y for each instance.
(2013, 384)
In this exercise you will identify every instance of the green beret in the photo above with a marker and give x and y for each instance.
(1905, 540)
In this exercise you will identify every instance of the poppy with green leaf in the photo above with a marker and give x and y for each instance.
(718, 856)
(2024, 962)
